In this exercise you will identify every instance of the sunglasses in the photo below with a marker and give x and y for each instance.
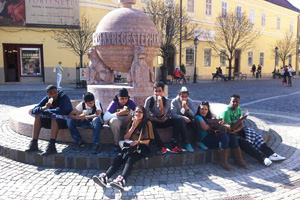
(138, 112)
(204, 103)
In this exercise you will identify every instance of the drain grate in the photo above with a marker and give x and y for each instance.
(292, 185)
(244, 197)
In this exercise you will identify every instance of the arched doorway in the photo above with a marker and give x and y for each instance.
(171, 60)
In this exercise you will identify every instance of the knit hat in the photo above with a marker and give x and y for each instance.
(123, 93)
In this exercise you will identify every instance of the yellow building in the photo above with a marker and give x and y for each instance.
(29, 53)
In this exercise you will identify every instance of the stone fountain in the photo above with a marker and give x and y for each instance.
(125, 40)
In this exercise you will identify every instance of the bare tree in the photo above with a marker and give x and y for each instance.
(166, 17)
(233, 33)
(286, 47)
(79, 41)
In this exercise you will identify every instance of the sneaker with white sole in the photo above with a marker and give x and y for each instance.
(101, 180)
(276, 157)
(267, 162)
(118, 183)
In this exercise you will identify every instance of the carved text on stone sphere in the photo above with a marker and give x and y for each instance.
(126, 39)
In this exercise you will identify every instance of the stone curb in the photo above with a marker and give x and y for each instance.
(13, 145)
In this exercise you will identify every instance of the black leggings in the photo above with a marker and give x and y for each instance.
(118, 161)
(175, 123)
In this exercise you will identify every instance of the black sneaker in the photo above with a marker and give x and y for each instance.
(51, 149)
(119, 183)
(78, 145)
(101, 180)
(95, 148)
(33, 146)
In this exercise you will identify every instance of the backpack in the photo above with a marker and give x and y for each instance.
(94, 109)
(152, 101)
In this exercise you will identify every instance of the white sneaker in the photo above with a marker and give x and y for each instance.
(276, 157)
(267, 162)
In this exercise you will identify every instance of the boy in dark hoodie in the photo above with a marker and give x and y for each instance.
(50, 113)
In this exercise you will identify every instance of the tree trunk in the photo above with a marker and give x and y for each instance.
(230, 66)
(164, 70)
(81, 64)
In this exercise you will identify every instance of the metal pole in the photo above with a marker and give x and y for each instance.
(297, 46)
(274, 72)
(195, 71)
(180, 39)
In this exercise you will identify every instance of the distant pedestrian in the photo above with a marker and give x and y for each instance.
(253, 69)
(258, 72)
(59, 71)
(285, 74)
(290, 74)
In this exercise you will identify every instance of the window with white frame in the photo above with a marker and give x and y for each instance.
(189, 56)
(190, 5)
(223, 58)
(208, 7)
(263, 19)
(278, 23)
(261, 58)
(290, 59)
(250, 58)
(238, 12)
(169, 3)
(207, 57)
(291, 26)
(224, 9)
(145, 1)
(252, 16)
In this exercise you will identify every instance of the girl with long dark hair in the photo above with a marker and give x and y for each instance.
(223, 141)
(139, 132)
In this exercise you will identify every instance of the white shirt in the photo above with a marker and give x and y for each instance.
(89, 110)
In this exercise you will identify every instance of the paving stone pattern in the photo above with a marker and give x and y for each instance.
(204, 181)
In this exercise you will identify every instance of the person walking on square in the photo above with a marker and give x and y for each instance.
(50, 113)
(250, 141)
(87, 114)
(220, 140)
(158, 111)
(285, 75)
(59, 71)
(253, 69)
(290, 75)
(259, 69)
(118, 115)
(182, 108)
(139, 133)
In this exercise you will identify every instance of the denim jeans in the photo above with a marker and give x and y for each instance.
(223, 141)
(95, 124)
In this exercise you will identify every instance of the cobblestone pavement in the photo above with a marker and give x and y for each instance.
(264, 98)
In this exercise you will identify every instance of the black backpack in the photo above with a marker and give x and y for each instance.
(94, 109)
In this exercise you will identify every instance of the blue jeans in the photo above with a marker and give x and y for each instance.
(223, 141)
(95, 124)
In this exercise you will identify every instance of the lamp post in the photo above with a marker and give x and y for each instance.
(274, 72)
(196, 42)
(180, 35)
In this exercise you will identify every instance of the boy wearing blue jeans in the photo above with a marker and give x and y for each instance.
(87, 114)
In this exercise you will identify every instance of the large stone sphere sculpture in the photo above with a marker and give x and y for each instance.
(126, 40)
(119, 32)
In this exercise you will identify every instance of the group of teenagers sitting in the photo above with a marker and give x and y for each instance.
(141, 122)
